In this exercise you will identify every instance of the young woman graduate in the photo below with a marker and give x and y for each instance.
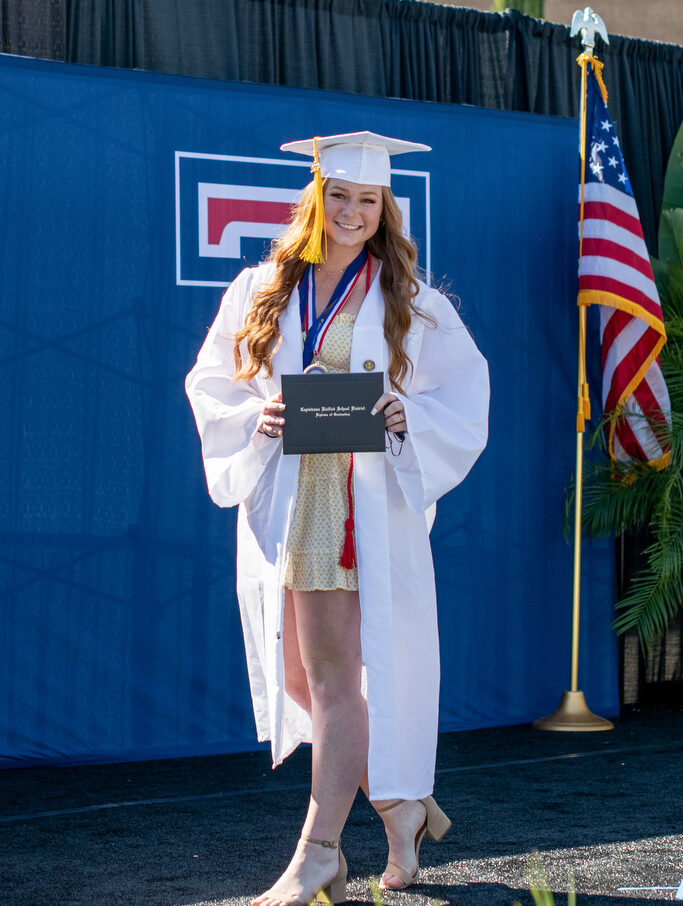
(334, 569)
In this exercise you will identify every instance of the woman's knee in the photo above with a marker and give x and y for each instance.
(331, 680)
(328, 631)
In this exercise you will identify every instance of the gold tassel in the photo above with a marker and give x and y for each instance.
(313, 250)
(584, 408)
(580, 421)
(597, 66)
(597, 70)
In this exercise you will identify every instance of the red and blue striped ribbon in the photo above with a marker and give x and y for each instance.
(316, 328)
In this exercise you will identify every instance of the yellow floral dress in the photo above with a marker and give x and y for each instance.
(316, 537)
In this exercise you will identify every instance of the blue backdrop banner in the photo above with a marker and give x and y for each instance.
(128, 201)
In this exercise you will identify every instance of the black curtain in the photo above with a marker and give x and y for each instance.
(387, 48)
(33, 28)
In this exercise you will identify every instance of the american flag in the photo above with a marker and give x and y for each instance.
(615, 273)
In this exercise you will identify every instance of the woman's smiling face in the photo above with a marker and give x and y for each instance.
(352, 212)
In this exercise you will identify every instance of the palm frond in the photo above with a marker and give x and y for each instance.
(649, 605)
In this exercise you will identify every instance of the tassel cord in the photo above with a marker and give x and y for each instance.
(348, 557)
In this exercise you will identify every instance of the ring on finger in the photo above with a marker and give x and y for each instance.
(264, 429)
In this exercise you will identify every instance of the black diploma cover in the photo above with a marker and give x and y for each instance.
(330, 413)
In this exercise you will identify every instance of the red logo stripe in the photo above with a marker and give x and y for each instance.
(222, 211)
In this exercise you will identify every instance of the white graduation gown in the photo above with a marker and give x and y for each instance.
(446, 405)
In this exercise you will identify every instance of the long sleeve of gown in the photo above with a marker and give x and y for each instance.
(446, 409)
(226, 411)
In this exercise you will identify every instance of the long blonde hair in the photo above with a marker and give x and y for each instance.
(399, 286)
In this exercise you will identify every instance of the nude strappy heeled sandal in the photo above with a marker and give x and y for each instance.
(334, 890)
(436, 825)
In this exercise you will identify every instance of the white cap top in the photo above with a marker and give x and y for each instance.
(360, 157)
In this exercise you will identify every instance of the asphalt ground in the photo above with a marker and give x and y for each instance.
(604, 807)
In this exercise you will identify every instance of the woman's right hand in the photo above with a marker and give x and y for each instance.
(270, 420)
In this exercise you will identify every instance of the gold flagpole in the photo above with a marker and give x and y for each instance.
(573, 713)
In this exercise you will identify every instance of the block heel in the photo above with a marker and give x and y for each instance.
(335, 891)
(438, 823)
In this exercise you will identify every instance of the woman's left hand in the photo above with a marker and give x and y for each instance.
(271, 420)
(394, 413)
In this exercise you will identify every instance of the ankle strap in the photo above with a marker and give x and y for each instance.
(329, 844)
(389, 806)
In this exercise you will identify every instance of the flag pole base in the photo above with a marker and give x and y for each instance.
(574, 716)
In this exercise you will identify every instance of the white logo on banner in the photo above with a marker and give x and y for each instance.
(221, 209)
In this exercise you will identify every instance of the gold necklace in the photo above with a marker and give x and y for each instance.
(332, 273)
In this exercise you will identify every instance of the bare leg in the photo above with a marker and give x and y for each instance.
(296, 682)
(401, 823)
(327, 626)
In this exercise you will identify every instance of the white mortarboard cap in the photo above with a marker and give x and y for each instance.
(360, 157)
